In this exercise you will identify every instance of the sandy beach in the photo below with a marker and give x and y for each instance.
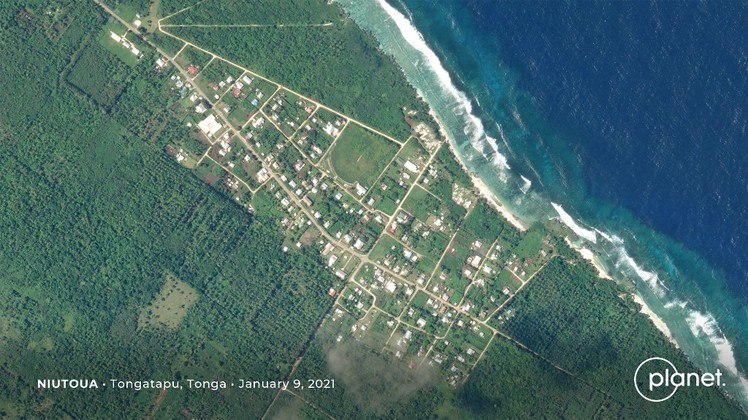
(590, 256)
(486, 193)
(656, 320)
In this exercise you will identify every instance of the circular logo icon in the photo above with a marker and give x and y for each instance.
(655, 380)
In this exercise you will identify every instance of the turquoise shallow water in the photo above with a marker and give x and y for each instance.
(515, 150)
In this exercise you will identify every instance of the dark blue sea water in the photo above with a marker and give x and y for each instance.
(644, 104)
(630, 115)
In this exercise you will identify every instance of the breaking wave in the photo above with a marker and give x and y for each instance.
(424, 69)
(474, 128)
(704, 324)
(573, 225)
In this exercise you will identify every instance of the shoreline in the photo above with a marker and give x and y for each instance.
(485, 192)
(656, 320)
(478, 184)
(415, 39)
(590, 256)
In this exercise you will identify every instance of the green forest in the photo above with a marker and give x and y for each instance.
(118, 264)
(99, 215)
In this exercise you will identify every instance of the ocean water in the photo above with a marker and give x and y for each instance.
(625, 120)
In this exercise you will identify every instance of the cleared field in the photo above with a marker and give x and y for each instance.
(170, 305)
(422, 205)
(116, 47)
(359, 155)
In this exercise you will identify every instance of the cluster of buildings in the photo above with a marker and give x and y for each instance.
(122, 40)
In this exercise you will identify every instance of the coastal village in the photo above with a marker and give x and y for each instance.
(414, 279)
(424, 264)
(271, 207)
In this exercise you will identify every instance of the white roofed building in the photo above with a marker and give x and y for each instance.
(210, 126)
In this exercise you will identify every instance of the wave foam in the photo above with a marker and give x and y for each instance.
(503, 138)
(456, 103)
(474, 126)
(573, 225)
(605, 235)
(705, 325)
(679, 303)
(527, 184)
(652, 279)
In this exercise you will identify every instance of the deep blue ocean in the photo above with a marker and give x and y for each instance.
(630, 116)
(648, 100)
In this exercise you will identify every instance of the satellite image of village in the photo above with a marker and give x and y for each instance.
(249, 209)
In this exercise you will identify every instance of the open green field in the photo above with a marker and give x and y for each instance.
(394, 183)
(170, 306)
(359, 156)
(114, 47)
(439, 213)
(422, 204)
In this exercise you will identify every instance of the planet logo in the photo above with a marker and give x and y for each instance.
(657, 379)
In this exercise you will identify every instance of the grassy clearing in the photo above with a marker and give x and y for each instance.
(116, 48)
(421, 204)
(398, 177)
(359, 155)
(170, 306)
(217, 77)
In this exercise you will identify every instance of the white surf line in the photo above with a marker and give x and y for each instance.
(705, 325)
(573, 225)
(415, 39)
(624, 264)
(527, 184)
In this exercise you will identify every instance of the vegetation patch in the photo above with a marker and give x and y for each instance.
(371, 88)
(525, 386)
(170, 305)
(98, 76)
(359, 156)
(192, 59)
(114, 38)
(580, 323)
